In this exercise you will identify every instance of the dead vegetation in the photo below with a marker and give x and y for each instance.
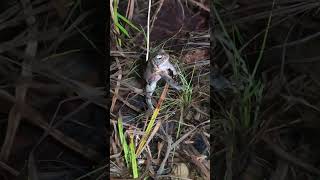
(266, 82)
(52, 95)
(178, 143)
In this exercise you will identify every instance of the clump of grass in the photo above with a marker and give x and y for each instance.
(118, 26)
(185, 96)
(187, 88)
(129, 152)
(249, 90)
(242, 117)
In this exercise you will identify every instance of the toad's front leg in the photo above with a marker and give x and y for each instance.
(170, 81)
(173, 69)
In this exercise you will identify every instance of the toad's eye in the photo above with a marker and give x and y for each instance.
(159, 56)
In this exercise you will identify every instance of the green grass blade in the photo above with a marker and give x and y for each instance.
(148, 130)
(115, 10)
(263, 43)
(122, 29)
(128, 22)
(123, 140)
(239, 61)
(133, 159)
(115, 20)
(180, 121)
(89, 40)
(144, 35)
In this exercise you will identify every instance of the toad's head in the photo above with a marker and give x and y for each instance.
(161, 58)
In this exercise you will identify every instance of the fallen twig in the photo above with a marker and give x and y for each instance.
(290, 158)
(116, 90)
(9, 169)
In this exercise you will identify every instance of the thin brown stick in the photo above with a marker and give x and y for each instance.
(290, 158)
(9, 169)
(116, 90)
(200, 5)
(154, 18)
(129, 12)
(126, 103)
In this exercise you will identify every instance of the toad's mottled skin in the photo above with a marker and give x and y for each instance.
(158, 67)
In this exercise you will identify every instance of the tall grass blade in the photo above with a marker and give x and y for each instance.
(122, 29)
(123, 140)
(263, 43)
(133, 158)
(128, 22)
(151, 123)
